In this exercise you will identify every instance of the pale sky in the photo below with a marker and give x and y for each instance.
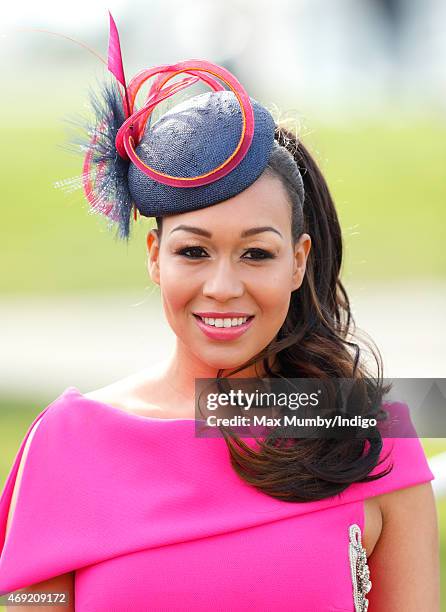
(44, 13)
(288, 51)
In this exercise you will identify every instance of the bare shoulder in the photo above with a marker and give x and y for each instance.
(405, 560)
(409, 504)
(134, 394)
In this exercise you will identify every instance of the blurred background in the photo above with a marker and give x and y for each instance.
(362, 82)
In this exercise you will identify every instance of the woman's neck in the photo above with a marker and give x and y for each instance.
(172, 384)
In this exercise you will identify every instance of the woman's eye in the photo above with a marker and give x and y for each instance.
(260, 254)
(194, 250)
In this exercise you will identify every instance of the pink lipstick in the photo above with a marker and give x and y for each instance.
(223, 333)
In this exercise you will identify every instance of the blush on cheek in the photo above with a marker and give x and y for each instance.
(177, 302)
(177, 290)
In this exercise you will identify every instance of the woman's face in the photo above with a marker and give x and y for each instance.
(227, 262)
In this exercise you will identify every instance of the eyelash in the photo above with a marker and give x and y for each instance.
(267, 254)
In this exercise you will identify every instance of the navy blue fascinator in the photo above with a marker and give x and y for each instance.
(202, 151)
(192, 139)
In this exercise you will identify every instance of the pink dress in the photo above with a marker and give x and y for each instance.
(152, 518)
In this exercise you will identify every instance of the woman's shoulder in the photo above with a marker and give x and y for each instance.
(132, 394)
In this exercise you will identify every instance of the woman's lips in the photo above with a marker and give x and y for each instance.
(223, 333)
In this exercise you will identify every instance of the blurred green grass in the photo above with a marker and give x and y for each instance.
(387, 179)
(16, 417)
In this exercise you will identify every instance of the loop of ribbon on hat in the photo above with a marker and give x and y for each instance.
(131, 131)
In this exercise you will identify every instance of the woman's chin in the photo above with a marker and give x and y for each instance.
(233, 359)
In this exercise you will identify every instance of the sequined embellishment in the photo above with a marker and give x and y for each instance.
(359, 569)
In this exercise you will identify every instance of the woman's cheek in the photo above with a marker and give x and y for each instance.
(272, 288)
(173, 298)
(178, 288)
(275, 304)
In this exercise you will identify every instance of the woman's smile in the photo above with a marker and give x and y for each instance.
(223, 328)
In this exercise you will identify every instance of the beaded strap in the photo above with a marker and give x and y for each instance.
(359, 569)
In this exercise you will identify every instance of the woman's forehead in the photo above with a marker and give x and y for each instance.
(263, 203)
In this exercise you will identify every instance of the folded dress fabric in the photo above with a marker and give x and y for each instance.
(151, 517)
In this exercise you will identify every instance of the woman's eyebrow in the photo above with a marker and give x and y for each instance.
(259, 230)
(248, 232)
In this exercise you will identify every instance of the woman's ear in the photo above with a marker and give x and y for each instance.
(301, 250)
(153, 243)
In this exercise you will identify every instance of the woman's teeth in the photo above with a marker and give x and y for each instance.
(224, 322)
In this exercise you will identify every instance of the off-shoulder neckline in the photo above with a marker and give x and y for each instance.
(74, 390)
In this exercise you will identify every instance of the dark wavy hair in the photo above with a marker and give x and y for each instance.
(315, 341)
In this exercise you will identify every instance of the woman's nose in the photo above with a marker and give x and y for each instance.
(223, 282)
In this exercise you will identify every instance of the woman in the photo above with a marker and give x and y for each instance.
(113, 500)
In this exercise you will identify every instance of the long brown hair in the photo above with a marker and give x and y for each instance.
(315, 341)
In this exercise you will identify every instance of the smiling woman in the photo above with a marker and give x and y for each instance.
(222, 280)
(112, 489)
